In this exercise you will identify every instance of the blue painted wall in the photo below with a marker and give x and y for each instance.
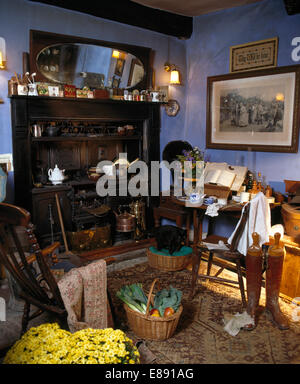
(208, 53)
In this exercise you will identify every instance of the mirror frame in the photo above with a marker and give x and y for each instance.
(40, 40)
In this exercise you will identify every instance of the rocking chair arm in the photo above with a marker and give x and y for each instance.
(50, 249)
(45, 252)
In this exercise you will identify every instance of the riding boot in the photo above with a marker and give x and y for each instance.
(273, 280)
(254, 279)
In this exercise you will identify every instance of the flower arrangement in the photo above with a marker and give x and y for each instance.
(49, 344)
(192, 157)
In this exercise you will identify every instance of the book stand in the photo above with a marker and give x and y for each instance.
(217, 190)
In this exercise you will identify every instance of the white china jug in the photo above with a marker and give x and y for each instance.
(56, 176)
(155, 96)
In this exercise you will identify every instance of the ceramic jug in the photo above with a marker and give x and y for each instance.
(125, 222)
(56, 176)
(36, 130)
(155, 96)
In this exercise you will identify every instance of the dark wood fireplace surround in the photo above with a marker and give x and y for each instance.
(76, 154)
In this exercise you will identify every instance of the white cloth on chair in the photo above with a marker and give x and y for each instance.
(259, 221)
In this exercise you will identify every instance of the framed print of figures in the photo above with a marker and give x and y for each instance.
(136, 73)
(257, 110)
(119, 67)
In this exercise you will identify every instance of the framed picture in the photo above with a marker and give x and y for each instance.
(119, 67)
(252, 56)
(136, 73)
(257, 110)
(115, 82)
(53, 90)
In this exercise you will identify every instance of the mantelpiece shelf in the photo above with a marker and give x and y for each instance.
(85, 99)
(86, 138)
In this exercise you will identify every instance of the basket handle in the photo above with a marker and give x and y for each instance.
(149, 296)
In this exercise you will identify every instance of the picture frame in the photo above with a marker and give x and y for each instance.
(116, 82)
(257, 110)
(136, 73)
(119, 67)
(253, 56)
(53, 90)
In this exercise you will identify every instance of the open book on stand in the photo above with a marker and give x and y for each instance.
(222, 174)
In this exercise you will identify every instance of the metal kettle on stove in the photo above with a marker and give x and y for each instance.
(125, 222)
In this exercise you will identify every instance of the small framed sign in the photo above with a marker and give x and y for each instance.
(253, 56)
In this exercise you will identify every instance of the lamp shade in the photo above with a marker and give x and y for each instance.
(115, 54)
(174, 78)
(2, 53)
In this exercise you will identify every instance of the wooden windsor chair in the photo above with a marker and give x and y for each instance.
(215, 255)
(38, 290)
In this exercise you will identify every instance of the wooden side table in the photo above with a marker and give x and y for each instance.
(169, 210)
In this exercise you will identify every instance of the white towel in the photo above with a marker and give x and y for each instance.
(212, 210)
(259, 221)
(233, 323)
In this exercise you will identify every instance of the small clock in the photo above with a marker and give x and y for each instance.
(172, 107)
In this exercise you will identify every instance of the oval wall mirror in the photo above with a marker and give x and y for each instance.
(90, 65)
(88, 62)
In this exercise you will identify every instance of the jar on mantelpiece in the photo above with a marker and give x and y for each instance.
(249, 181)
(12, 88)
(254, 190)
(259, 183)
(268, 192)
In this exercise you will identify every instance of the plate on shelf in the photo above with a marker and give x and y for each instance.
(182, 198)
(172, 108)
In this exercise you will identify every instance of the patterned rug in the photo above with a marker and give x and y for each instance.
(200, 337)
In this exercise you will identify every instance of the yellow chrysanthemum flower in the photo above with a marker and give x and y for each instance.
(49, 344)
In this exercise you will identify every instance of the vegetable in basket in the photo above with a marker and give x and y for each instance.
(166, 299)
(134, 296)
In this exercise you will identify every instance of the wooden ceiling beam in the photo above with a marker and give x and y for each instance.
(128, 12)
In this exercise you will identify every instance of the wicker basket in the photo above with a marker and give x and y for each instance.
(166, 262)
(150, 327)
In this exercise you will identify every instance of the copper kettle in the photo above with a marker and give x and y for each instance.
(125, 222)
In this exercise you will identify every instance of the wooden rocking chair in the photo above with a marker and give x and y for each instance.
(19, 265)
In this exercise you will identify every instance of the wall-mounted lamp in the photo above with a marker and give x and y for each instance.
(2, 53)
(115, 54)
(174, 73)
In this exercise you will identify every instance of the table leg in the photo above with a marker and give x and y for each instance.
(156, 221)
(196, 225)
(196, 263)
(210, 225)
(198, 216)
(2, 272)
(188, 225)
